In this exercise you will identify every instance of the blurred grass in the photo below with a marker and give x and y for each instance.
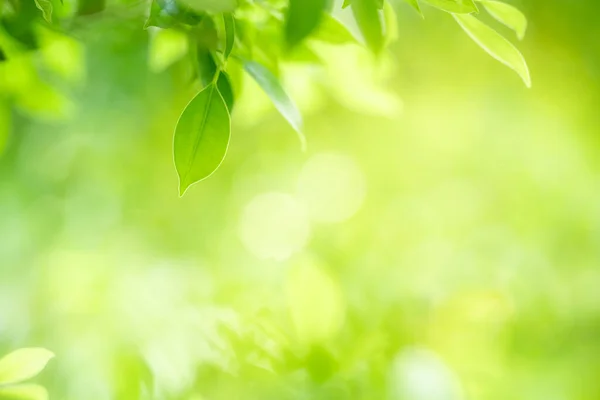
(469, 270)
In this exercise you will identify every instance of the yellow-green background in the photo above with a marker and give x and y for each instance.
(471, 269)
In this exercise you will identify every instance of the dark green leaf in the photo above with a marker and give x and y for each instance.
(88, 7)
(269, 83)
(201, 137)
(226, 90)
(205, 33)
(454, 6)
(366, 13)
(495, 45)
(206, 68)
(302, 18)
(229, 24)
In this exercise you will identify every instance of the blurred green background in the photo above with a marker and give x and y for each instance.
(440, 239)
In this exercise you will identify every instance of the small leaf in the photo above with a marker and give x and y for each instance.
(302, 18)
(46, 7)
(333, 31)
(201, 137)
(366, 14)
(229, 24)
(206, 67)
(226, 90)
(507, 15)
(415, 4)
(391, 23)
(24, 392)
(454, 6)
(23, 364)
(495, 45)
(269, 83)
(347, 3)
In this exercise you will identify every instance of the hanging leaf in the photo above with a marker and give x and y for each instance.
(23, 364)
(391, 23)
(302, 18)
(24, 392)
(454, 6)
(201, 137)
(206, 67)
(333, 31)
(366, 14)
(46, 7)
(271, 86)
(508, 15)
(229, 25)
(495, 45)
(415, 4)
(226, 90)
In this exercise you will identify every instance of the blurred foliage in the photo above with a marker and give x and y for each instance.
(437, 240)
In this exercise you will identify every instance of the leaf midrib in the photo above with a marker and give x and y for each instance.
(199, 138)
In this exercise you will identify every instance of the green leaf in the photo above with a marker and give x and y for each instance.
(391, 23)
(168, 13)
(302, 18)
(226, 90)
(46, 7)
(495, 44)
(367, 17)
(269, 83)
(24, 392)
(229, 24)
(213, 6)
(415, 4)
(454, 6)
(347, 3)
(333, 31)
(206, 67)
(201, 137)
(23, 364)
(89, 7)
(507, 15)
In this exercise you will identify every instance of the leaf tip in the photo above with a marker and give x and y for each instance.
(182, 189)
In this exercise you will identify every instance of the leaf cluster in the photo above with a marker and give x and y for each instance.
(227, 39)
